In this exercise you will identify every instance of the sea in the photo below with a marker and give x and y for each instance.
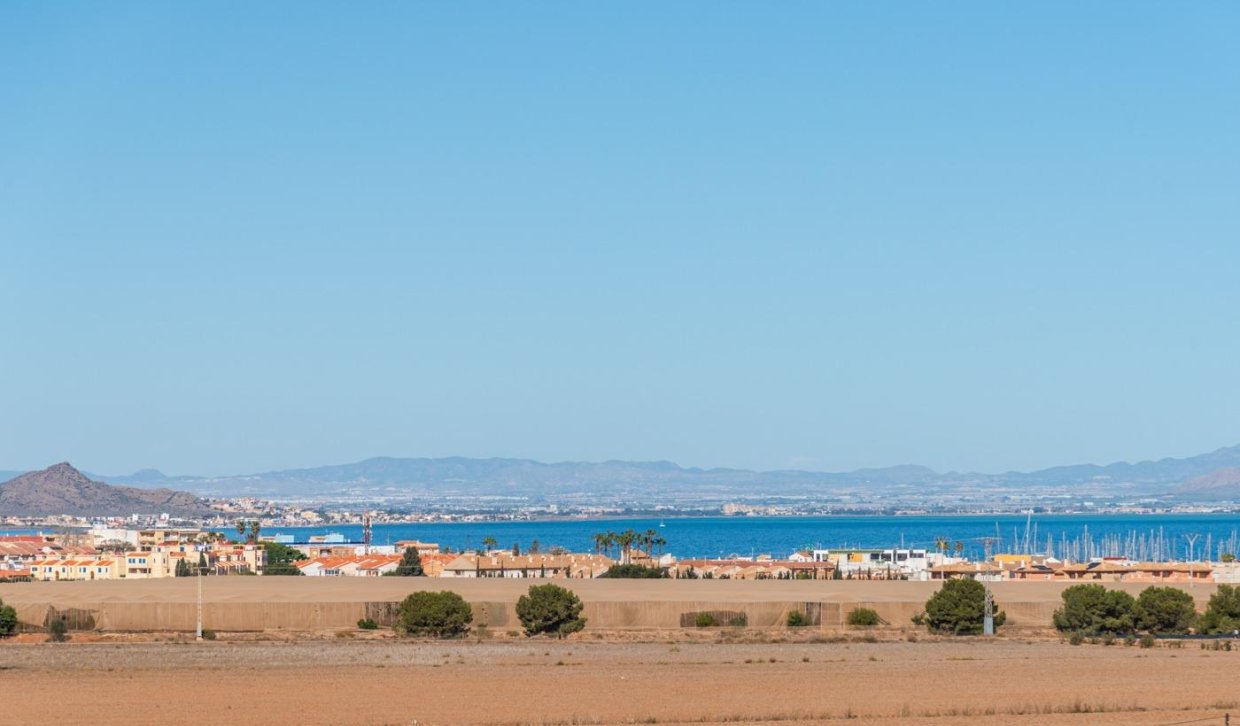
(1076, 536)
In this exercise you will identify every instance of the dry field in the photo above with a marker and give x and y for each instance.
(382, 681)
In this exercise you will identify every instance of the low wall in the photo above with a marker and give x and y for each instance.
(313, 603)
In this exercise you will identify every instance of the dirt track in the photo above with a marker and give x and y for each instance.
(541, 682)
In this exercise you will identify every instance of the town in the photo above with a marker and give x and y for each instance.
(134, 553)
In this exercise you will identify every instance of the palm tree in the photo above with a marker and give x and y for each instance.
(959, 547)
(240, 528)
(648, 538)
(660, 543)
(255, 528)
(940, 544)
(626, 539)
(489, 543)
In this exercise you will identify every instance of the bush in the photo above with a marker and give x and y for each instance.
(635, 572)
(705, 620)
(739, 621)
(1093, 610)
(1164, 610)
(367, 624)
(1076, 639)
(8, 619)
(959, 608)
(550, 609)
(796, 619)
(863, 618)
(57, 631)
(208, 634)
(437, 614)
(1146, 641)
(1222, 614)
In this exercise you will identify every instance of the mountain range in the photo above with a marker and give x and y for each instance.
(61, 489)
(1213, 476)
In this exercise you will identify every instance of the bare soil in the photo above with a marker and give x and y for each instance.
(378, 680)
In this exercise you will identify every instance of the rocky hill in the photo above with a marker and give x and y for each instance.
(1221, 484)
(61, 489)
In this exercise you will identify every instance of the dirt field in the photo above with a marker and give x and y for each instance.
(560, 682)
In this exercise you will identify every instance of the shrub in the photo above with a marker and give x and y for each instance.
(208, 634)
(550, 609)
(705, 620)
(635, 572)
(959, 608)
(863, 618)
(1146, 641)
(8, 619)
(796, 619)
(1164, 610)
(1108, 639)
(739, 621)
(57, 631)
(1222, 614)
(367, 624)
(1076, 639)
(1093, 610)
(437, 614)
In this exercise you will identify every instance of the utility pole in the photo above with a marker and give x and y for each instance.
(198, 631)
(366, 533)
(988, 613)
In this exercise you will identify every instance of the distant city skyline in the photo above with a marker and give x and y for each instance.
(823, 237)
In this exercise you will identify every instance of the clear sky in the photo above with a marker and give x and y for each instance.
(979, 236)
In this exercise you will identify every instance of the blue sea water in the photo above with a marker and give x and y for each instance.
(780, 536)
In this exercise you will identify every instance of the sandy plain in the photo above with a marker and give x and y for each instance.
(532, 681)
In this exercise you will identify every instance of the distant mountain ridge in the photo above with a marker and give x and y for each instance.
(62, 489)
(1187, 478)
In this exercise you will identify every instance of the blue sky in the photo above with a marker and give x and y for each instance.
(977, 236)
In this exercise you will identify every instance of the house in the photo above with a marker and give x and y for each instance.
(764, 569)
(877, 564)
(967, 570)
(423, 548)
(503, 564)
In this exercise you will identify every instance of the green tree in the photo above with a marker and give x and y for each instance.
(1164, 610)
(489, 543)
(1222, 613)
(1094, 610)
(410, 564)
(437, 614)
(240, 529)
(182, 568)
(1227, 557)
(535, 546)
(255, 529)
(8, 619)
(280, 559)
(550, 609)
(959, 608)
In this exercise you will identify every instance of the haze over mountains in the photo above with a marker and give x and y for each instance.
(1211, 476)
